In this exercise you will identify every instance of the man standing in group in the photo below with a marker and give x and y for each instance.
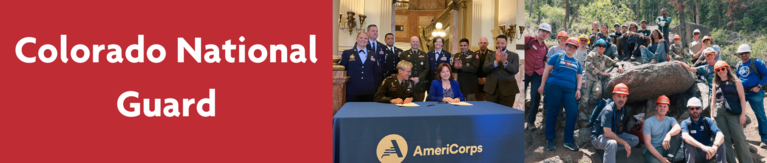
(501, 85)
(391, 58)
(697, 132)
(466, 64)
(593, 37)
(481, 74)
(751, 72)
(362, 69)
(535, 54)
(608, 131)
(645, 32)
(436, 57)
(420, 68)
(596, 64)
(664, 22)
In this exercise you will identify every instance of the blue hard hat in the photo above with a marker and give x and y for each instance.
(601, 41)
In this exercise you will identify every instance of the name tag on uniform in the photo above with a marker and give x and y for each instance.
(536, 48)
(693, 131)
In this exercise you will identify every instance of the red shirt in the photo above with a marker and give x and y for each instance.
(534, 55)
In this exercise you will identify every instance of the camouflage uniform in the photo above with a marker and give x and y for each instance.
(592, 86)
(676, 52)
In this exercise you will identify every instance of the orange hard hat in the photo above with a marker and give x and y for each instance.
(572, 40)
(706, 38)
(621, 89)
(663, 100)
(562, 34)
(720, 64)
(677, 37)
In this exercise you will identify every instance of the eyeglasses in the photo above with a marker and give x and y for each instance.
(572, 46)
(562, 38)
(720, 69)
(696, 34)
(583, 40)
(694, 108)
(709, 54)
(601, 46)
(743, 53)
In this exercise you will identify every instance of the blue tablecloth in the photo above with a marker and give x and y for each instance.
(484, 132)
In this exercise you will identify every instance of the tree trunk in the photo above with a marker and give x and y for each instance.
(530, 14)
(682, 29)
(539, 17)
(567, 13)
(697, 12)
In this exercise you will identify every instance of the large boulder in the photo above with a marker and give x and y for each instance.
(648, 81)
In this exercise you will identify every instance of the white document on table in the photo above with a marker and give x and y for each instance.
(408, 105)
(462, 104)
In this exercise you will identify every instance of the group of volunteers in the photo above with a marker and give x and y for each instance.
(384, 73)
(570, 75)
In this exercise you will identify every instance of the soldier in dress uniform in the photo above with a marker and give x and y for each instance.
(362, 69)
(391, 58)
(436, 57)
(483, 52)
(420, 68)
(397, 89)
(466, 64)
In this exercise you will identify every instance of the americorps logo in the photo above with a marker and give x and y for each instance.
(393, 149)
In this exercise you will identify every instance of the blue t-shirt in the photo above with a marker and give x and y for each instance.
(657, 129)
(565, 70)
(698, 131)
(747, 76)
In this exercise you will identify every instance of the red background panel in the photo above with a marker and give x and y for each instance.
(273, 112)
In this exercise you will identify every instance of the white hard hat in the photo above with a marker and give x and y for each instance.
(545, 27)
(716, 48)
(696, 31)
(744, 48)
(709, 50)
(694, 101)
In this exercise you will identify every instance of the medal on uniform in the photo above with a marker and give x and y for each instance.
(468, 57)
(351, 58)
(421, 63)
(381, 52)
(372, 58)
(444, 58)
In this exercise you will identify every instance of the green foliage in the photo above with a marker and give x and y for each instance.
(720, 37)
(604, 11)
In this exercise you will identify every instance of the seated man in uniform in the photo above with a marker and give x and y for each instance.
(397, 89)
(697, 132)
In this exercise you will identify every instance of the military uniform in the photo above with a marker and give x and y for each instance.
(467, 75)
(677, 53)
(481, 73)
(392, 88)
(420, 70)
(390, 60)
(592, 86)
(434, 61)
(364, 74)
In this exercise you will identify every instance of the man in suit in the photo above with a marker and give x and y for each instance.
(420, 67)
(501, 86)
(483, 52)
(436, 57)
(362, 69)
(391, 58)
(466, 64)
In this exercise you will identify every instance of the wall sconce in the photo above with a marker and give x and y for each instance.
(512, 31)
(438, 30)
(350, 23)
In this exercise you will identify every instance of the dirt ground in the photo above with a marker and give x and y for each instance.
(535, 145)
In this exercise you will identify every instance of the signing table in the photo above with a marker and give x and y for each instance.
(431, 132)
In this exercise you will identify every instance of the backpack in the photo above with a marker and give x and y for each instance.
(705, 126)
(598, 109)
(752, 67)
(527, 46)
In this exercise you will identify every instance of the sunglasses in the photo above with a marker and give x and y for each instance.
(584, 40)
(694, 108)
(709, 54)
(572, 46)
(696, 34)
(562, 38)
(720, 69)
(601, 46)
(743, 53)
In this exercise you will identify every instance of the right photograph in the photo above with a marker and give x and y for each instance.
(645, 81)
